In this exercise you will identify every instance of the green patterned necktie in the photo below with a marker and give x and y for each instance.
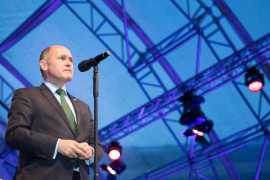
(70, 116)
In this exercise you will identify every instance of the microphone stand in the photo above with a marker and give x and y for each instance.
(84, 66)
(95, 94)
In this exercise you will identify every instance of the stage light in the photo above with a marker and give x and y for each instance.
(111, 170)
(187, 133)
(117, 166)
(205, 127)
(114, 154)
(200, 133)
(255, 86)
(195, 131)
(114, 150)
(254, 80)
(107, 168)
(192, 114)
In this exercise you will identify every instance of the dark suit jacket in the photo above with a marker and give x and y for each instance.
(35, 121)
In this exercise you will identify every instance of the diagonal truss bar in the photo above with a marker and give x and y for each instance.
(5, 98)
(261, 159)
(34, 20)
(14, 72)
(116, 8)
(226, 160)
(218, 149)
(126, 32)
(219, 74)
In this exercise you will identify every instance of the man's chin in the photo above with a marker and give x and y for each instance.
(67, 79)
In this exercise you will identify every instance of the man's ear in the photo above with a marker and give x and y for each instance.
(43, 65)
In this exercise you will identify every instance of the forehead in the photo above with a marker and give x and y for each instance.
(59, 50)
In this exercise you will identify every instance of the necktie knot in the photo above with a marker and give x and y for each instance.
(60, 91)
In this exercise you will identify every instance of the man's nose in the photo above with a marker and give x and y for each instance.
(68, 63)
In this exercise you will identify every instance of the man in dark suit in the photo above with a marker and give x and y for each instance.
(53, 131)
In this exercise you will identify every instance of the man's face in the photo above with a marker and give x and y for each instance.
(60, 65)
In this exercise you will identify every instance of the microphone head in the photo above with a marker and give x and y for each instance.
(106, 54)
(83, 66)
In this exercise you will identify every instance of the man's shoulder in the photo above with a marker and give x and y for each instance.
(27, 89)
(25, 93)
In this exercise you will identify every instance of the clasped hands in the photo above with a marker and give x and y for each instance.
(73, 149)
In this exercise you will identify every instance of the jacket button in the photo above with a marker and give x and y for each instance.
(72, 161)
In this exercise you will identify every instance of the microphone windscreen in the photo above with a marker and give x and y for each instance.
(107, 53)
(83, 66)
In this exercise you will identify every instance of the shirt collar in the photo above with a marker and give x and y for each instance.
(53, 87)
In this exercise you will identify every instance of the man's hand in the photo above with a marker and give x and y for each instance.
(89, 151)
(73, 149)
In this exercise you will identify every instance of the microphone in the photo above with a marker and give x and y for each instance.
(87, 64)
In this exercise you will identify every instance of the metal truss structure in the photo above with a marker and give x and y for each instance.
(203, 24)
(215, 150)
(208, 80)
(132, 52)
(8, 156)
(6, 92)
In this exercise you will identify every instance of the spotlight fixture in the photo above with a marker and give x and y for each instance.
(199, 133)
(111, 175)
(192, 114)
(107, 168)
(205, 127)
(254, 80)
(111, 170)
(187, 133)
(114, 150)
(117, 166)
(199, 130)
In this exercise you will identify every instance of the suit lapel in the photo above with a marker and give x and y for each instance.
(77, 110)
(51, 98)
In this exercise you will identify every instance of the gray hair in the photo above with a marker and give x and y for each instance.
(45, 54)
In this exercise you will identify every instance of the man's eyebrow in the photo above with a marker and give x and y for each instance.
(64, 55)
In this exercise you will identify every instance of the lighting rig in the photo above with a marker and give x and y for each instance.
(192, 114)
(117, 166)
(194, 117)
(114, 150)
(254, 80)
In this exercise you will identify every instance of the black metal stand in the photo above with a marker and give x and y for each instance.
(95, 94)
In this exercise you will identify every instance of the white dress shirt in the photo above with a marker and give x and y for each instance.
(53, 88)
